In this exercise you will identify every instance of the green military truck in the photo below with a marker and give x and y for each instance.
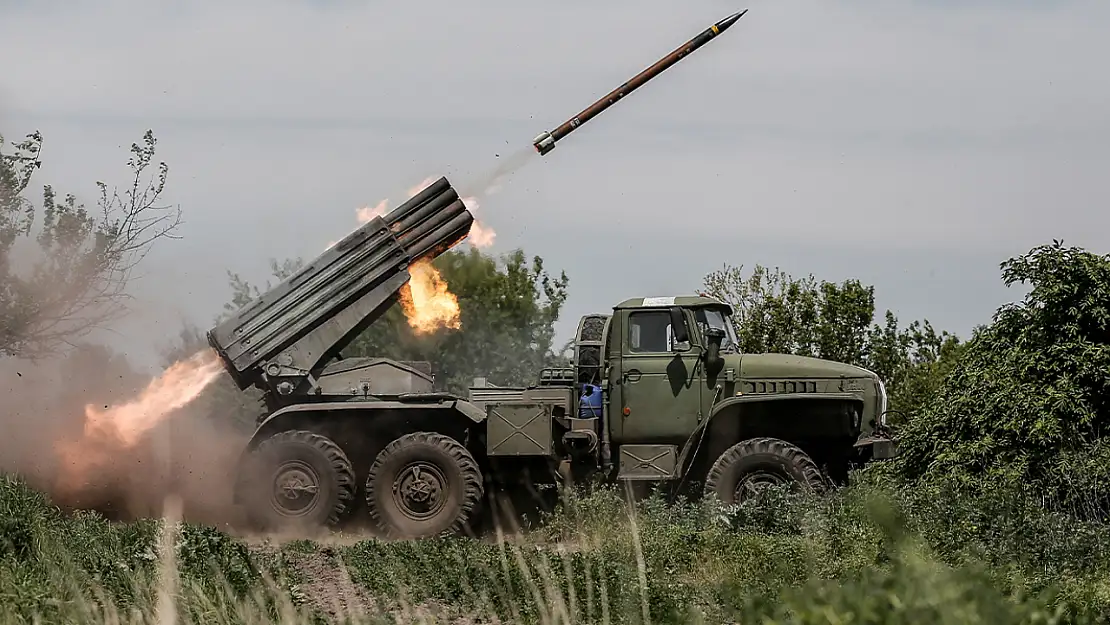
(657, 393)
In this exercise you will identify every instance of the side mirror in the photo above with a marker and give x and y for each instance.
(678, 325)
(713, 338)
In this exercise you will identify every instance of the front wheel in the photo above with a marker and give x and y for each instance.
(423, 485)
(752, 465)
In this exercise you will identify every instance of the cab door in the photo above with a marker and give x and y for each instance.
(659, 382)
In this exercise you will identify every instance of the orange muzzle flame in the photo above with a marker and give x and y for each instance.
(111, 431)
(427, 303)
(178, 385)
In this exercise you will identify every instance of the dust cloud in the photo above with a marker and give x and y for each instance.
(190, 453)
(188, 450)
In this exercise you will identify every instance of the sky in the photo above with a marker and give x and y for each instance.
(912, 144)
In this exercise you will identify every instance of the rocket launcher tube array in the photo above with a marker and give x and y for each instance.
(295, 327)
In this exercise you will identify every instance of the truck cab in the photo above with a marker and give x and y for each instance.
(659, 375)
(681, 403)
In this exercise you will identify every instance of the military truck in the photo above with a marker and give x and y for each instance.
(657, 392)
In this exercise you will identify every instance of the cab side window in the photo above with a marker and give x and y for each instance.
(699, 318)
(649, 332)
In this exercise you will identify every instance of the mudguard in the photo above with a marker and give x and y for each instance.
(414, 401)
(697, 438)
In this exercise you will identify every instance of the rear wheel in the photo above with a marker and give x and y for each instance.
(423, 485)
(752, 465)
(298, 480)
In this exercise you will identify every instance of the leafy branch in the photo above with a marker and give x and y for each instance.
(78, 281)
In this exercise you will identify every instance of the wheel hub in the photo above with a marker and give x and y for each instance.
(753, 484)
(295, 488)
(420, 490)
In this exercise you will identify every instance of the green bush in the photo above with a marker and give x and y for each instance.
(873, 552)
(892, 553)
(81, 568)
(1029, 401)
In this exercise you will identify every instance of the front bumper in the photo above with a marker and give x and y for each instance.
(877, 446)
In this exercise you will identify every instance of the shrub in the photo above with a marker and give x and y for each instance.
(1030, 400)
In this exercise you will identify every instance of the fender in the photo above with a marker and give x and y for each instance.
(415, 401)
(696, 439)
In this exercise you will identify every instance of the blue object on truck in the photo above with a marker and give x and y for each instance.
(589, 403)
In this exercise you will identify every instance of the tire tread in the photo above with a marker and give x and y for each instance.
(335, 455)
(814, 480)
(473, 485)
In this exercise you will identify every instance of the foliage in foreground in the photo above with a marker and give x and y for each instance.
(867, 554)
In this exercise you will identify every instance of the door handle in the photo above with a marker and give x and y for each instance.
(632, 375)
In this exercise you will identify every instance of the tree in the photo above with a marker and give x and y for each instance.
(73, 278)
(913, 362)
(1029, 401)
(243, 292)
(775, 312)
(508, 309)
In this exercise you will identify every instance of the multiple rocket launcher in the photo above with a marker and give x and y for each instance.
(283, 339)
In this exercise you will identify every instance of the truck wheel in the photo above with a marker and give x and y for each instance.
(298, 480)
(423, 485)
(748, 466)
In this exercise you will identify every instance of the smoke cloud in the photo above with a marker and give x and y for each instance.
(93, 433)
(191, 452)
(491, 182)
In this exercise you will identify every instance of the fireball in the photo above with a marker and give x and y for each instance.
(427, 303)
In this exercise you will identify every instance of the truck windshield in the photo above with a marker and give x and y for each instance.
(717, 319)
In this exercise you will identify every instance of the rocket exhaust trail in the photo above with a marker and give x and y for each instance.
(491, 182)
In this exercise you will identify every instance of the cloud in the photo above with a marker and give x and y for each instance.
(965, 130)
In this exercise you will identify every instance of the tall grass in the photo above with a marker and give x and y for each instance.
(867, 554)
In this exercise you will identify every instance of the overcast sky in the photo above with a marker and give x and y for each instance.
(913, 144)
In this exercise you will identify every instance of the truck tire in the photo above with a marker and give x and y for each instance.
(423, 485)
(758, 462)
(298, 480)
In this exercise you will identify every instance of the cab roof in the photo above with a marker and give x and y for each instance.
(685, 301)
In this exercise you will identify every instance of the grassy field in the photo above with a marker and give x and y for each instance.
(866, 554)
